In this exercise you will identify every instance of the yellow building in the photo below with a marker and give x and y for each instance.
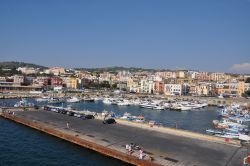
(241, 87)
(73, 83)
(231, 88)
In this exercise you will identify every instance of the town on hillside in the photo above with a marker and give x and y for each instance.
(173, 83)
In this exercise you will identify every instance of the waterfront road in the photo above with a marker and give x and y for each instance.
(166, 149)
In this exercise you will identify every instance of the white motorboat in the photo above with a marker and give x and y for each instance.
(147, 105)
(42, 99)
(158, 107)
(123, 103)
(73, 100)
(107, 101)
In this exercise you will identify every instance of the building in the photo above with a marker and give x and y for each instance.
(202, 89)
(2, 79)
(203, 76)
(159, 87)
(218, 77)
(18, 79)
(173, 89)
(147, 86)
(55, 71)
(70, 82)
(55, 81)
(73, 83)
(231, 89)
(27, 70)
(181, 73)
(166, 74)
(41, 81)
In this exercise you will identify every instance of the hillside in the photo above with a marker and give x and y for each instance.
(115, 69)
(14, 65)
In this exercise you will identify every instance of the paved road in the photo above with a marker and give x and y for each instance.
(167, 149)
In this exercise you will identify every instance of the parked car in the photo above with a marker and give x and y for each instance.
(70, 113)
(109, 121)
(89, 117)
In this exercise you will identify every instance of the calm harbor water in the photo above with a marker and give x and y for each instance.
(195, 120)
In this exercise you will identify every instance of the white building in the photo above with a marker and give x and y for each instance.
(18, 79)
(27, 70)
(147, 86)
(173, 89)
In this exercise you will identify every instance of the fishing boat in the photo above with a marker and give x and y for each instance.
(126, 116)
(140, 119)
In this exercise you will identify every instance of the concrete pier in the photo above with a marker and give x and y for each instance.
(164, 147)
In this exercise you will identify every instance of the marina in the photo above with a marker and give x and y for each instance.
(201, 119)
(132, 117)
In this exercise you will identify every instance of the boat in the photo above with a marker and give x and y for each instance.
(107, 101)
(126, 116)
(55, 100)
(147, 105)
(24, 103)
(158, 107)
(140, 119)
(212, 131)
(73, 100)
(123, 103)
(228, 135)
(88, 99)
(42, 99)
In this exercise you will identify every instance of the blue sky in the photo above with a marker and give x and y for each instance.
(212, 35)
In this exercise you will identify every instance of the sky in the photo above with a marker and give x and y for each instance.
(206, 35)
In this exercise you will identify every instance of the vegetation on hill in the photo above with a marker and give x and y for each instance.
(15, 65)
(115, 69)
(9, 68)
